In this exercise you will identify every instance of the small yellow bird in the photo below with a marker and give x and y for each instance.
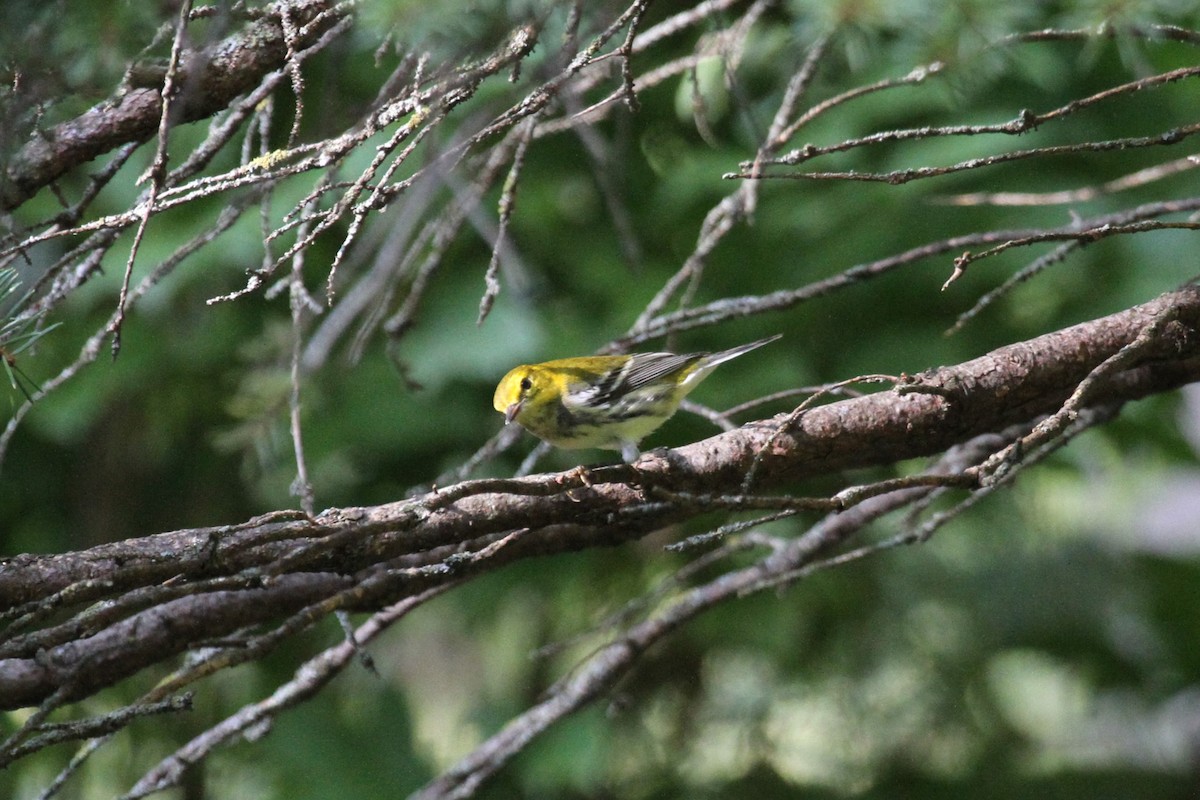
(607, 402)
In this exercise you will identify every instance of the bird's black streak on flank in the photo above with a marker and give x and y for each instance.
(565, 418)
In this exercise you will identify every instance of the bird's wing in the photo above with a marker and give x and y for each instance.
(638, 372)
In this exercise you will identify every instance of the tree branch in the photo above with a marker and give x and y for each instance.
(272, 567)
(210, 79)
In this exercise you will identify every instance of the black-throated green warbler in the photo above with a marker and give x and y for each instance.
(607, 402)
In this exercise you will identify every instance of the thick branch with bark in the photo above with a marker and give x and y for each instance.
(220, 580)
(210, 79)
(401, 183)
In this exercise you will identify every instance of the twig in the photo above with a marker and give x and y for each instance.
(158, 169)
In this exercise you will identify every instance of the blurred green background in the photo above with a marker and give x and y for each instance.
(1045, 645)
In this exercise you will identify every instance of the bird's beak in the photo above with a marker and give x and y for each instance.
(511, 412)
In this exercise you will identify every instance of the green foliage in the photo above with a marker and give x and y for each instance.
(1036, 648)
(18, 333)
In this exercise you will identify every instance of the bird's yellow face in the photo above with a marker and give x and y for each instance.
(518, 389)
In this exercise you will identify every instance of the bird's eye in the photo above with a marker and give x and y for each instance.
(526, 384)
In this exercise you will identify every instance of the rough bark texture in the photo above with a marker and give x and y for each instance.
(231, 577)
(210, 79)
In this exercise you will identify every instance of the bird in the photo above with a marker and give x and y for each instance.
(605, 402)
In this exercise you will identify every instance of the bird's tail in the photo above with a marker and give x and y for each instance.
(720, 357)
